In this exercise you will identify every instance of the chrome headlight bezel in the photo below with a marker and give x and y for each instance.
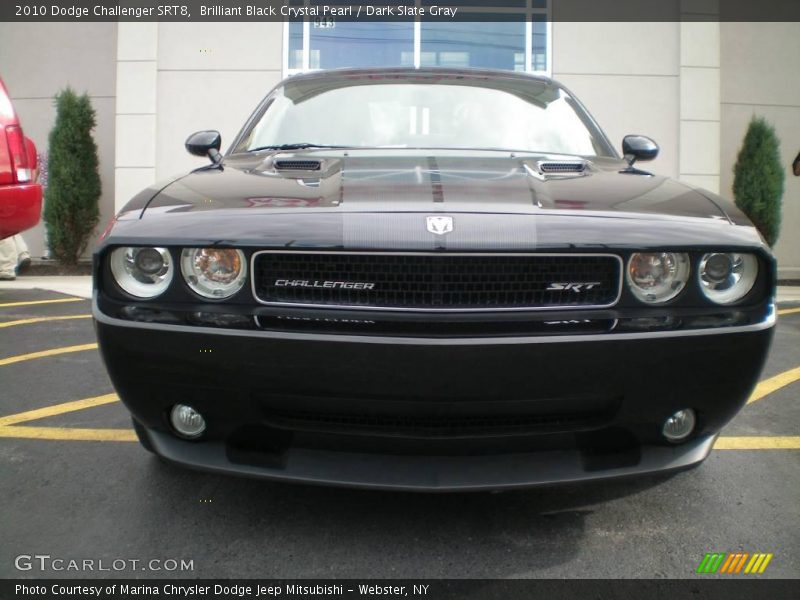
(203, 283)
(125, 263)
(680, 267)
(730, 288)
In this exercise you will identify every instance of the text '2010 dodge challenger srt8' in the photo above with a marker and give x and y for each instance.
(430, 280)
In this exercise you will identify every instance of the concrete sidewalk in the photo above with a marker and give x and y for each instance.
(81, 286)
(72, 285)
(789, 293)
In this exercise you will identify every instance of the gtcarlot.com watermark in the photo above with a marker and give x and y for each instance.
(46, 562)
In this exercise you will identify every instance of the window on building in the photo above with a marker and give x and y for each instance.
(511, 34)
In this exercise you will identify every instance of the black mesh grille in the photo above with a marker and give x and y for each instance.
(431, 281)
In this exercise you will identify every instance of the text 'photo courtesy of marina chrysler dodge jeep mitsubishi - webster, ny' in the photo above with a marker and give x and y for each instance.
(430, 279)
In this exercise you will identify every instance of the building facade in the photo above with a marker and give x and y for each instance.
(692, 86)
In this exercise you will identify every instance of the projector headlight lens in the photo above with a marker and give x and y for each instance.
(214, 272)
(727, 278)
(657, 277)
(142, 272)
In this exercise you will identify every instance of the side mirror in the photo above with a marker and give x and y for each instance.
(205, 143)
(638, 147)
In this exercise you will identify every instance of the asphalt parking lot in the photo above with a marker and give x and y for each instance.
(76, 486)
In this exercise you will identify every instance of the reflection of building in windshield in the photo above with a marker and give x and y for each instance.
(433, 109)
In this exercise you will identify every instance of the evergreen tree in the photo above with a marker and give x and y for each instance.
(71, 207)
(758, 179)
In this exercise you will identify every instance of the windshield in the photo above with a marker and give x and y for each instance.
(445, 112)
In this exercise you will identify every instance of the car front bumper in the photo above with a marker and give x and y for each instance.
(428, 473)
(555, 409)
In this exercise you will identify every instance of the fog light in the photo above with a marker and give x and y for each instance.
(187, 421)
(678, 427)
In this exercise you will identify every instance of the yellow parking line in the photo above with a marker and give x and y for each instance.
(58, 433)
(9, 430)
(58, 409)
(32, 302)
(773, 384)
(789, 311)
(770, 442)
(41, 320)
(44, 353)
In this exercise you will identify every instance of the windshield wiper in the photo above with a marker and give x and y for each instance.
(295, 146)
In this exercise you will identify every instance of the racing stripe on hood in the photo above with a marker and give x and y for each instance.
(436, 180)
(395, 184)
(388, 231)
(399, 183)
(405, 186)
(393, 187)
(486, 183)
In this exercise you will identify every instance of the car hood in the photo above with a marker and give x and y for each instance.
(486, 183)
(360, 201)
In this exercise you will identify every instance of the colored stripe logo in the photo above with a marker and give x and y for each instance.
(734, 563)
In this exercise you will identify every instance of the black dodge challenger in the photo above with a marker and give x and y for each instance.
(430, 280)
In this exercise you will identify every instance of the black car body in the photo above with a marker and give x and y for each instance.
(431, 317)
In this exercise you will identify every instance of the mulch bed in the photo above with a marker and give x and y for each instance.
(54, 268)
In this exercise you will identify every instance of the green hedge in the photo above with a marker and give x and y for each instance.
(758, 179)
(71, 200)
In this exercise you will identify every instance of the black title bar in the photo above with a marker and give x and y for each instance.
(399, 10)
(698, 588)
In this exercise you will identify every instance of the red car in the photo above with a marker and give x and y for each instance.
(20, 196)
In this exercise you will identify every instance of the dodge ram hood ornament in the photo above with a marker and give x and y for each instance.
(440, 225)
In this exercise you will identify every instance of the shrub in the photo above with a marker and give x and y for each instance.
(71, 207)
(758, 179)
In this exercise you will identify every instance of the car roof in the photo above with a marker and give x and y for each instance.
(412, 73)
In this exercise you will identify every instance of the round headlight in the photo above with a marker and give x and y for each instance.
(142, 272)
(727, 277)
(656, 277)
(214, 272)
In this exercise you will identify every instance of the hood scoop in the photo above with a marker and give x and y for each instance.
(557, 169)
(562, 167)
(294, 164)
